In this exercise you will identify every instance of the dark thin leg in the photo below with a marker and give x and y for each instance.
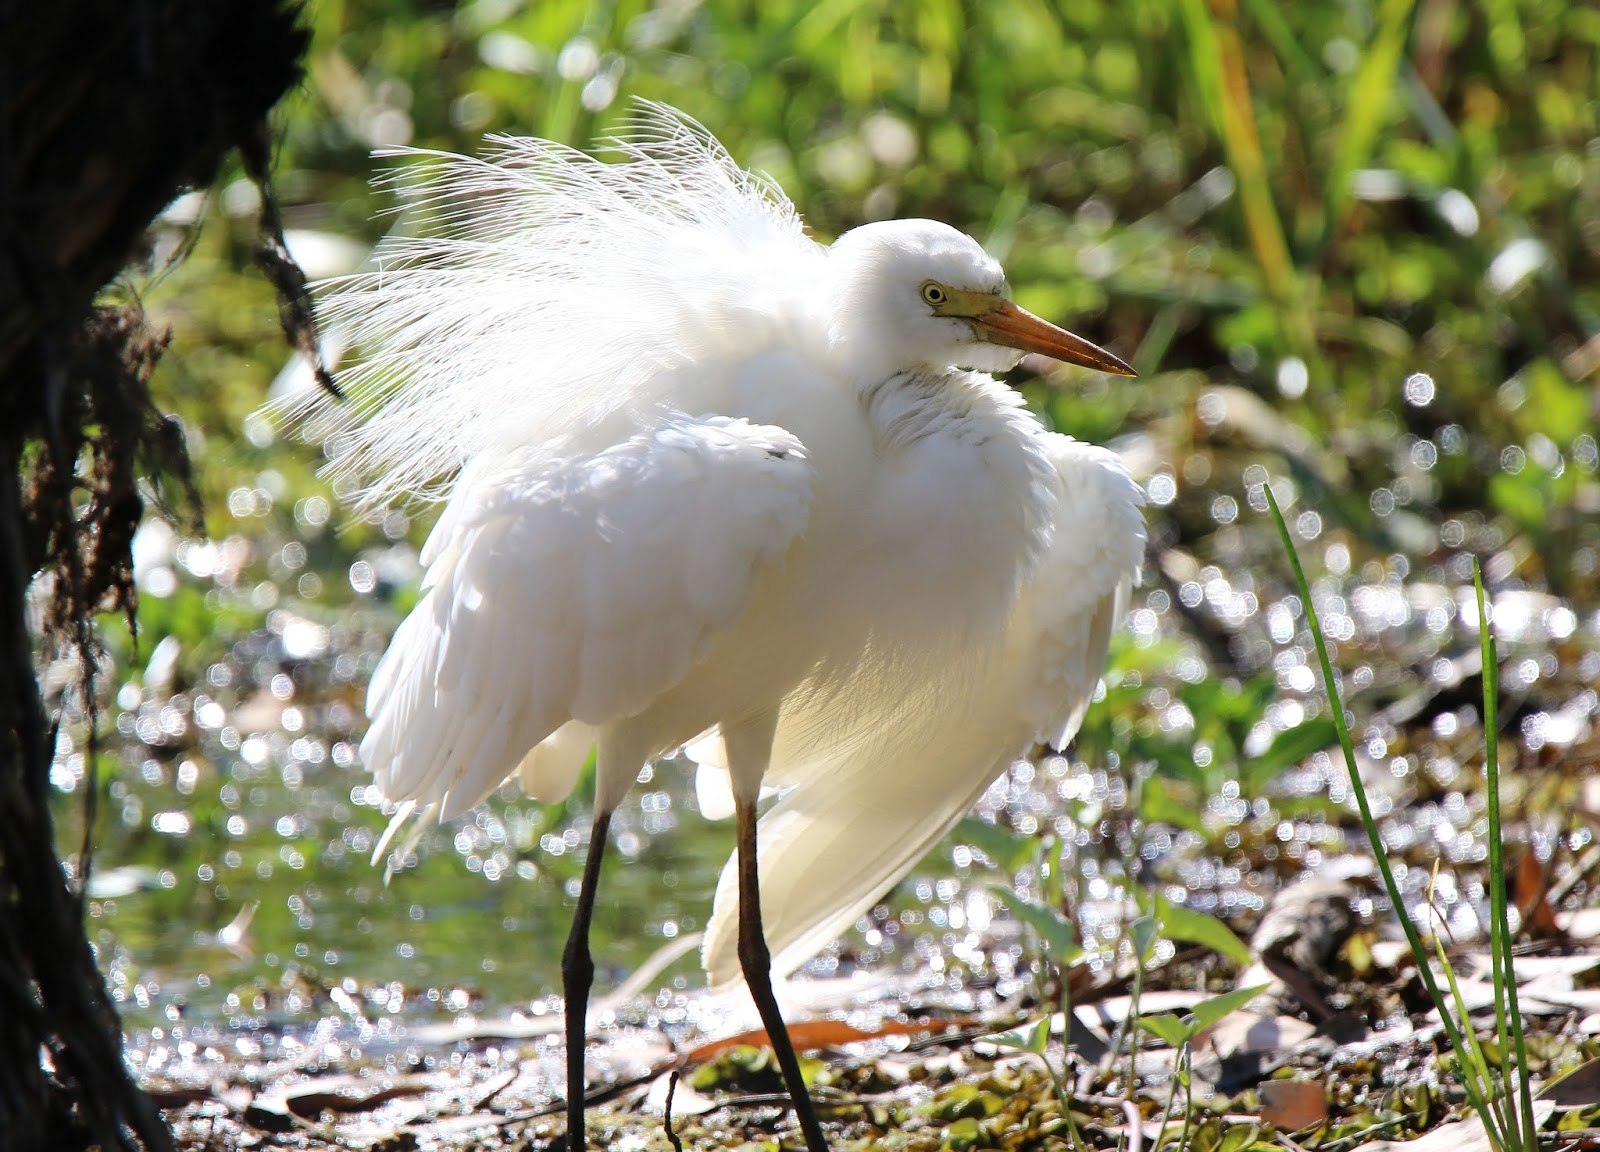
(757, 964)
(577, 975)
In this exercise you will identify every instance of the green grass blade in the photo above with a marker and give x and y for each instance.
(1507, 1012)
(1379, 854)
(1372, 89)
(1499, 919)
(1298, 64)
(1473, 1062)
(1204, 70)
(1220, 74)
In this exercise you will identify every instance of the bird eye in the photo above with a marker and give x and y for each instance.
(934, 294)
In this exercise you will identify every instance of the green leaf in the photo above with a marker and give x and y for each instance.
(1238, 1138)
(963, 1101)
(963, 1134)
(1556, 406)
(1371, 90)
(1143, 933)
(1008, 850)
(1180, 923)
(1208, 1012)
(1018, 1038)
(1056, 932)
(1289, 748)
(1178, 1031)
(1521, 497)
(1041, 1037)
(1160, 803)
(1169, 1027)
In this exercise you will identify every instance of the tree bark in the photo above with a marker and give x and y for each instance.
(108, 110)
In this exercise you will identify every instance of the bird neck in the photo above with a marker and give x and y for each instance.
(905, 407)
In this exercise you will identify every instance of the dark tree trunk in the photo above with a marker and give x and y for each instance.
(108, 109)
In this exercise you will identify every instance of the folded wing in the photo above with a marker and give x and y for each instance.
(564, 593)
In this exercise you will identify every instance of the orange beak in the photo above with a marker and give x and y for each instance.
(1014, 327)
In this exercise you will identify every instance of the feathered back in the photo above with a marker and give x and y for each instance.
(541, 289)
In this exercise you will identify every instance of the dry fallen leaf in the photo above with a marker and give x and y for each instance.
(810, 1035)
(1290, 1105)
(1579, 1088)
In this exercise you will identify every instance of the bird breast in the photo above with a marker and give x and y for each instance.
(961, 507)
(932, 501)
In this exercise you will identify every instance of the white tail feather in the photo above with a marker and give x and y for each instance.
(832, 845)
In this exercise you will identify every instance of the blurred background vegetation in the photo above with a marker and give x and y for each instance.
(1353, 248)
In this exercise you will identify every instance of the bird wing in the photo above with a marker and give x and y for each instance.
(862, 811)
(573, 590)
(1080, 592)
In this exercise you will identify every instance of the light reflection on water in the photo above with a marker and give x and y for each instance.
(485, 910)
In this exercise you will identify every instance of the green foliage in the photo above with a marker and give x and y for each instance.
(1222, 717)
(1034, 1039)
(1005, 849)
(746, 1068)
(1510, 1094)
(1058, 934)
(1005, 116)
(201, 622)
(1178, 1030)
(1179, 923)
(967, 1101)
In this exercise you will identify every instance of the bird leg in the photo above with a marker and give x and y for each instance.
(756, 961)
(577, 975)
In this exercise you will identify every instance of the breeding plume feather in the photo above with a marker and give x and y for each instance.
(709, 483)
(479, 322)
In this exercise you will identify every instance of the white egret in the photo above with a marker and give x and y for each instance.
(709, 483)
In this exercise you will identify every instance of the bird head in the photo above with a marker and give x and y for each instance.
(918, 293)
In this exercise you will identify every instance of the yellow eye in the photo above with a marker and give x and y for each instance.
(934, 294)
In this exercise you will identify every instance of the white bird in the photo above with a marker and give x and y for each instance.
(709, 483)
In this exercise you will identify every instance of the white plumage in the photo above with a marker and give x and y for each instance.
(565, 588)
(857, 813)
(709, 482)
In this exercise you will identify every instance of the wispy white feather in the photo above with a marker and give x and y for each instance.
(537, 289)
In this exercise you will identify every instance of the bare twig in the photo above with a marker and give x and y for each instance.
(672, 1087)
